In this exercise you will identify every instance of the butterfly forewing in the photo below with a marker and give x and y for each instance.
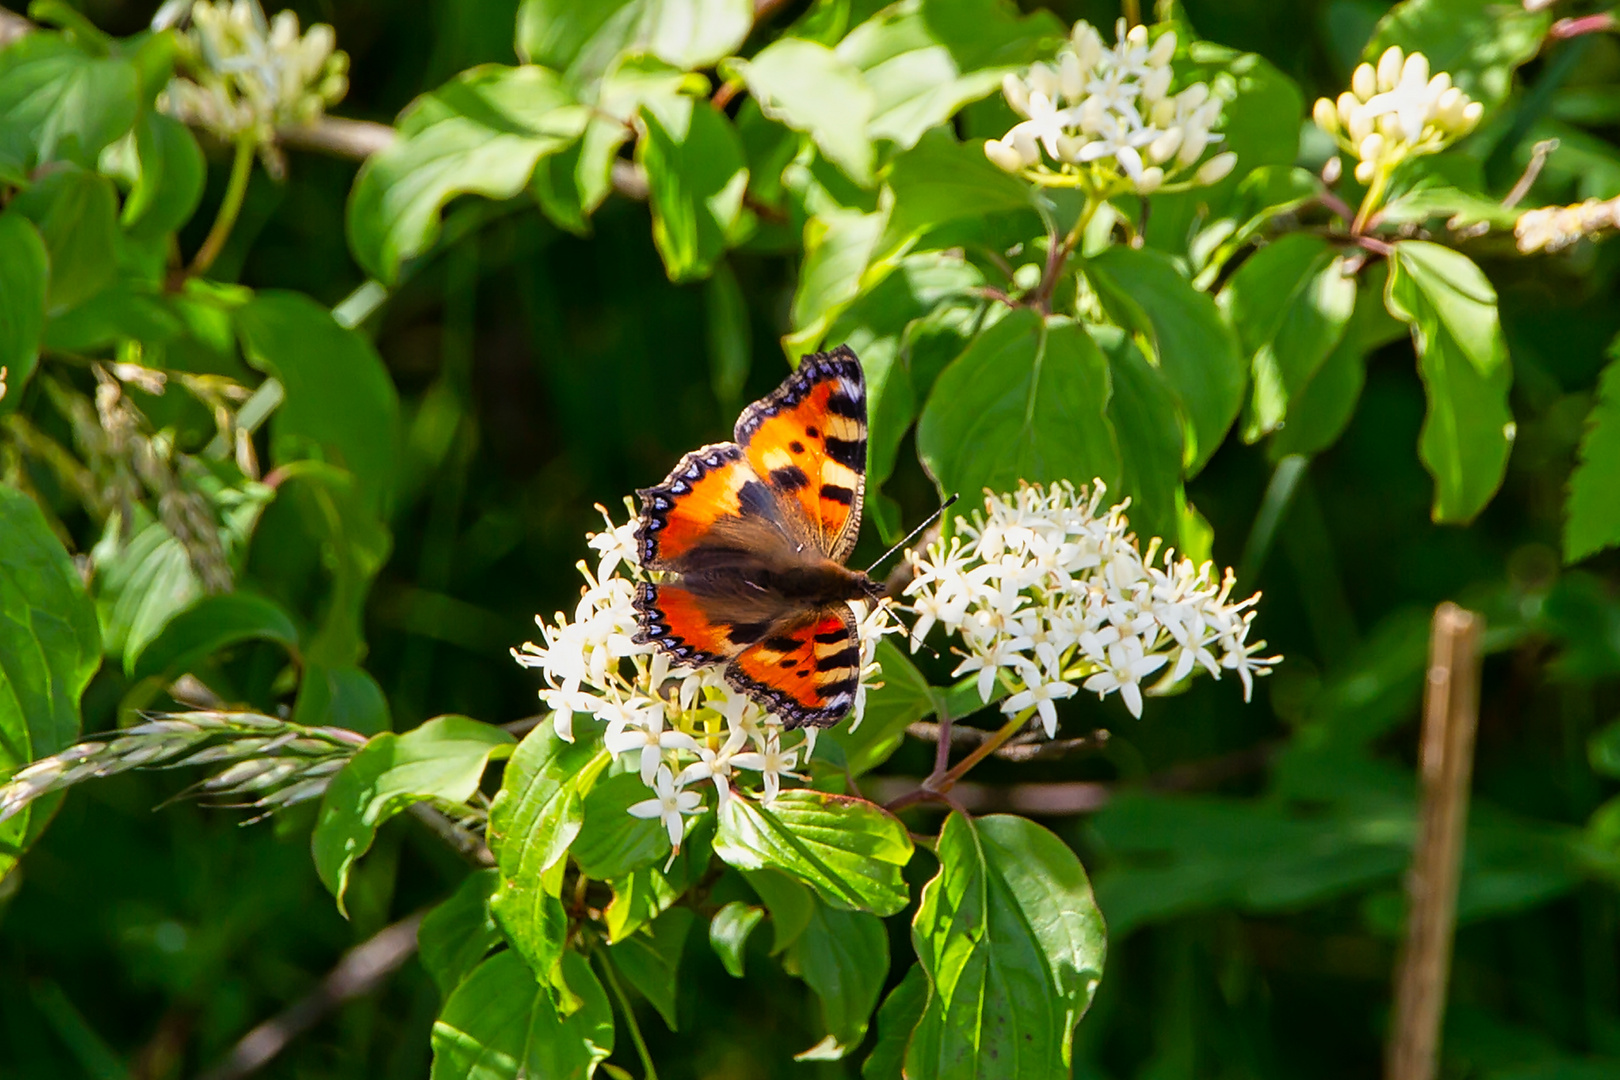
(805, 670)
(808, 442)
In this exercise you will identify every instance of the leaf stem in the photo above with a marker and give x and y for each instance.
(1372, 200)
(606, 967)
(225, 221)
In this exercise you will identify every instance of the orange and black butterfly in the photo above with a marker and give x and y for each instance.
(749, 540)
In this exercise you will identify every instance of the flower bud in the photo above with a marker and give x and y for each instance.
(1359, 124)
(1165, 146)
(1164, 49)
(1150, 180)
(1439, 85)
(1326, 115)
(1332, 169)
(1416, 68)
(1364, 83)
(1016, 93)
(1193, 142)
(1003, 155)
(1093, 116)
(1138, 37)
(1069, 147)
(1388, 125)
(1071, 77)
(1216, 168)
(1194, 96)
(1043, 80)
(1364, 171)
(1155, 84)
(1371, 148)
(1470, 117)
(1389, 67)
(1023, 141)
(1163, 114)
(1087, 44)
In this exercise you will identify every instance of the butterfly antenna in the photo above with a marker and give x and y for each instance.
(912, 535)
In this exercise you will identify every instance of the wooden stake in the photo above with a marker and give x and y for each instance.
(1450, 718)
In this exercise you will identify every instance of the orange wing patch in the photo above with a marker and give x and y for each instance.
(806, 671)
(704, 488)
(674, 618)
(808, 442)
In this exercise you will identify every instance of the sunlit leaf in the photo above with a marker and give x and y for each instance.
(459, 932)
(1592, 513)
(500, 1024)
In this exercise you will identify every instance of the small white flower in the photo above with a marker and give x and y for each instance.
(716, 765)
(652, 740)
(1127, 664)
(670, 805)
(772, 763)
(1041, 695)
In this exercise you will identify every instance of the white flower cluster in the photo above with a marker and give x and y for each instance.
(1553, 228)
(1394, 111)
(681, 725)
(1045, 593)
(1099, 113)
(254, 75)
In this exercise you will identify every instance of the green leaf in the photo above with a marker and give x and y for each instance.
(808, 87)
(340, 515)
(479, 134)
(585, 36)
(169, 177)
(49, 649)
(1192, 346)
(77, 214)
(1289, 304)
(612, 843)
(1318, 414)
(729, 931)
(844, 956)
(650, 959)
(341, 695)
(924, 59)
(903, 699)
(941, 181)
(1592, 513)
(1013, 946)
(532, 821)
(1463, 359)
(210, 624)
(57, 103)
(897, 1019)
(459, 932)
(1027, 401)
(140, 584)
(696, 176)
(838, 250)
(444, 759)
(340, 406)
(1479, 42)
(1146, 421)
(789, 902)
(501, 1025)
(848, 850)
(25, 272)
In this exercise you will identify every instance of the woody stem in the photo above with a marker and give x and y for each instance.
(982, 751)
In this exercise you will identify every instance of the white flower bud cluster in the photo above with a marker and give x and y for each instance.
(1045, 592)
(1100, 114)
(252, 75)
(678, 725)
(1394, 111)
(3, 373)
(1553, 228)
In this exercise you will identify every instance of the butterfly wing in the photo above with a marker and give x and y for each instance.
(807, 442)
(711, 511)
(805, 669)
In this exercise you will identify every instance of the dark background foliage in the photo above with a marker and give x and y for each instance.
(541, 373)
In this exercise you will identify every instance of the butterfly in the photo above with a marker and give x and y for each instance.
(748, 541)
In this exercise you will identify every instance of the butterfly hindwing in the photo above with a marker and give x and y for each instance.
(805, 670)
(678, 621)
(807, 442)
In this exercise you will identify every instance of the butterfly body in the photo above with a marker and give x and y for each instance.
(748, 539)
